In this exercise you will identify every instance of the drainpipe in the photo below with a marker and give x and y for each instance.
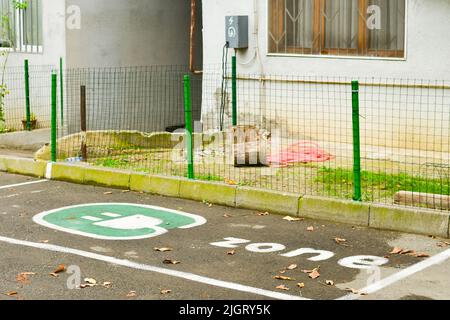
(192, 38)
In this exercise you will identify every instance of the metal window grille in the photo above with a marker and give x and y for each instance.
(338, 27)
(21, 25)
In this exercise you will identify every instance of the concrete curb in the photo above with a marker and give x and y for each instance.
(23, 166)
(350, 212)
(395, 218)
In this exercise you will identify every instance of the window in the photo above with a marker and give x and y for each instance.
(21, 25)
(372, 28)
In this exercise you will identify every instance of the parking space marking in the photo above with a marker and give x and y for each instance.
(144, 267)
(377, 286)
(22, 184)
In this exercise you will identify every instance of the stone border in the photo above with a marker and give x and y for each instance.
(395, 218)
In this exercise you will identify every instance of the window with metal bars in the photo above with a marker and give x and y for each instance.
(21, 25)
(371, 28)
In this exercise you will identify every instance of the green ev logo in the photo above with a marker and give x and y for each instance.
(117, 221)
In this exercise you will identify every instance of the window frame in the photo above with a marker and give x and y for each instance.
(299, 52)
(19, 30)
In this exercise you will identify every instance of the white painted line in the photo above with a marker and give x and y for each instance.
(91, 218)
(144, 267)
(48, 170)
(377, 286)
(22, 184)
(111, 215)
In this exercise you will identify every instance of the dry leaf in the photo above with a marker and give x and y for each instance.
(54, 275)
(131, 294)
(283, 278)
(310, 229)
(61, 268)
(396, 251)
(354, 291)
(163, 249)
(23, 277)
(166, 291)
(227, 216)
(90, 281)
(107, 285)
(340, 240)
(421, 255)
(282, 271)
(443, 244)
(315, 274)
(230, 182)
(126, 191)
(263, 214)
(329, 282)
(44, 241)
(168, 261)
(12, 293)
(292, 267)
(292, 219)
(282, 287)
(231, 253)
(301, 285)
(107, 193)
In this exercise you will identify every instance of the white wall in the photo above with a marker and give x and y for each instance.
(427, 44)
(403, 117)
(130, 33)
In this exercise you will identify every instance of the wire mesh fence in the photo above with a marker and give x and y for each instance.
(293, 134)
(14, 101)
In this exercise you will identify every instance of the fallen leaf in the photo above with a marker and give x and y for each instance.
(283, 278)
(61, 268)
(126, 191)
(166, 291)
(44, 241)
(131, 294)
(86, 285)
(90, 281)
(231, 253)
(107, 285)
(54, 275)
(310, 229)
(443, 244)
(354, 291)
(230, 182)
(329, 282)
(163, 249)
(292, 267)
(292, 219)
(282, 271)
(263, 214)
(227, 216)
(107, 193)
(168, 261)
(421, 255)
(23, 277)
(301, 285)
(12, 293)
(315, 274)
(282, 287)
(340, 240)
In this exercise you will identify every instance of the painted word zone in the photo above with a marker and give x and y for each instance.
(353, 262)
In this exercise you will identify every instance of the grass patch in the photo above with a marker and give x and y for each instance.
(339, 182)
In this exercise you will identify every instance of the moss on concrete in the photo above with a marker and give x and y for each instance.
(216, 193)
(350, 212)
(272, 201)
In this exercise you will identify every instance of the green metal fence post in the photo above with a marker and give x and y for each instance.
(61, 88)
(234, 88)
(356, 142)
(27, 96)
(54, 116)
(188, 117)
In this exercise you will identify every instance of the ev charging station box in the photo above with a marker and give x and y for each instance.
(237, 31)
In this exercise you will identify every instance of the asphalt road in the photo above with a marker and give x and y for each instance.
(209, 267)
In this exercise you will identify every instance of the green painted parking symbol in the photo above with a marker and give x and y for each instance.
(117, 221)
